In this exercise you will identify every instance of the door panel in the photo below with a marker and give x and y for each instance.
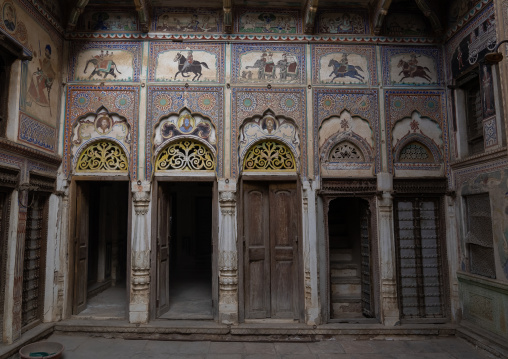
(284, 236)
(81, 247)
(163, 240)
(271, 250)
(257, 263)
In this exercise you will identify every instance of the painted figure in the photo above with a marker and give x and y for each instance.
(459, 58)
(103, 65)
(343, 69)
(288, 67)
(487, 91)
(186, 126)
(42, 80)
(189, 65)
(9, 17)
(411, 69)
(104, 125)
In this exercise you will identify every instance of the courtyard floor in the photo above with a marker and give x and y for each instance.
(87, 347)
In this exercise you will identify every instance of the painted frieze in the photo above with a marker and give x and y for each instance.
(457, 9)
(346, 120)
(105, 61)
(406, 24)
(403, 66)
(40, 90)
(266, 63)
(344, 65)
(268, 21)
(109, 20)
(347, 21)
(186, 112)
(268, 112)
(101, 112)
(470, 44)
(186, 62)
(178, 20)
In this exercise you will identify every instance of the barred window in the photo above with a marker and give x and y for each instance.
(479, 236)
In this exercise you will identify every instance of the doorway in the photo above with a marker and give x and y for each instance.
(101, 227)
(270, 263)
(185, 250)
(349, 253)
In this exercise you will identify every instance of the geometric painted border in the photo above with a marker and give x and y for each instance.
(332, 102)
(255, 101)
(36, 133)
(206, 101)
(83, 100)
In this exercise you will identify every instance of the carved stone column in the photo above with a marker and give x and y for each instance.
(228, 259)
(389, 304)
(140, 254)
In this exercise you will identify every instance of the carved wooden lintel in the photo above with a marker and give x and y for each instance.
(310, 16)
(228, 16)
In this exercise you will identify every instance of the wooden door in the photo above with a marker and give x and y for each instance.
(163, 241)
(256, 251)
(271, 250)
(81, 233)
(283, 251)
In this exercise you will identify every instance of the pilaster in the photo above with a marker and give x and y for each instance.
(228, 255)
(140, 254)
(389, 303)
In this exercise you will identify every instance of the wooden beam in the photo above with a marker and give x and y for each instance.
(431, 15)
(144, 10)
(309, 18)
(76, 11)
(379, 14)
(228, 16)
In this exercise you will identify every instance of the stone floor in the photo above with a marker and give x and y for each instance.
(81, 347)
(109, 304)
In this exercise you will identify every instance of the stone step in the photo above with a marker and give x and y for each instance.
(347, 288)
(341, 255)
(339, 298)
(345, 280)
(344, 271)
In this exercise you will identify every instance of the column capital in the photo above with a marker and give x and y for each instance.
(141, 196)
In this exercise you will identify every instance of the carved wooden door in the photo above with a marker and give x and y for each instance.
(163, 241)
(270, 251)
(81, 233)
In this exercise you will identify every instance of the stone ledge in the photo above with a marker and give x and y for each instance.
(483, 339)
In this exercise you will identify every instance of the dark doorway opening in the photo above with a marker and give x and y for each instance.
(187, 279)
(349, 251)
(102, 227)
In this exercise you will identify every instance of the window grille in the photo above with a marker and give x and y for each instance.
(346, 152)
(479, 235)
(185, 155)
(34, 262)
(419, 269)
(366, 276)
(415, 152)
(474, 117)
(269, 156)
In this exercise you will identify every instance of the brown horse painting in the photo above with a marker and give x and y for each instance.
(420, 71)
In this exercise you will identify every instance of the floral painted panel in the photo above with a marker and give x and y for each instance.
(268, 21)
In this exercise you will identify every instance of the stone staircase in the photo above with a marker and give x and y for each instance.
(345, 283)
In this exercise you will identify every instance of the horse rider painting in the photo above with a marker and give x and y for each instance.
(413, 64)
(190, 60)
(343, 64)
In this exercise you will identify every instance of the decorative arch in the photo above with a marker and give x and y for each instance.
(102, 156)
(185, 154)
(352, 150)
(269, 155)
(419, 143)
(268, 127)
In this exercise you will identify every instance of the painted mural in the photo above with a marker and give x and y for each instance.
(487, 91)
(458, 9)
(346, 22)
(412, 67)
(187, 21)
(109, 21)
(472, 43)
(351, 65)
(173, 62)
(268, 63)
(12, 22)
(276, 22)
(105, 61)
(406, 24)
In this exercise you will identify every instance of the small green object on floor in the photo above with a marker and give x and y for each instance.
(40, 354)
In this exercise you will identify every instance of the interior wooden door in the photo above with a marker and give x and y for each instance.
(256, 250)
(270, 231)
(163, 241)
(283, 251)
(81, 233)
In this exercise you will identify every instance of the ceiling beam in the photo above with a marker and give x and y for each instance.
(144, 10)
(228, 16)
(76, 11)
(431, 15)
(309, 18)
(379, 14)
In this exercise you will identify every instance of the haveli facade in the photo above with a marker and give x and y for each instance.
(314, 164)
